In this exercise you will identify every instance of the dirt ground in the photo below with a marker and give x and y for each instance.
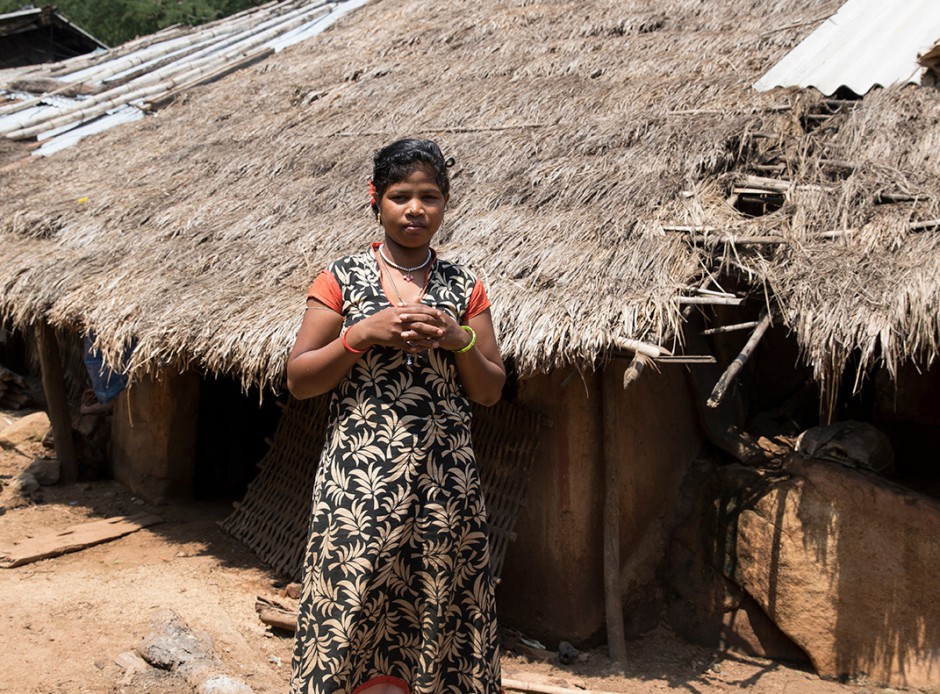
(65, 622)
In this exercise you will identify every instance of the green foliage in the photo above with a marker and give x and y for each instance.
(117, 21)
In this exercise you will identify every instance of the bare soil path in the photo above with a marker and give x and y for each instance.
(65, 621)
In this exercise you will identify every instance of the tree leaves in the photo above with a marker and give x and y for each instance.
(117, 21)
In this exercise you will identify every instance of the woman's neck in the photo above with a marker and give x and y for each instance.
(402, 255)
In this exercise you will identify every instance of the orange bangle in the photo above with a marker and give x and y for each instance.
(352, 350)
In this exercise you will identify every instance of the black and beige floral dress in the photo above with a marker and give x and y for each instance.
(397, 584)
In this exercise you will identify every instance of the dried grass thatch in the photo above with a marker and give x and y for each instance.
(580, 130)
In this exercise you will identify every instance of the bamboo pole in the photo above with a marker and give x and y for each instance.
(731, 328)
(170, 96)
(739, 361)
(644, 348)
(159, 80)
(687, 359)
(927, 225)
(53, 385)
(711, 300)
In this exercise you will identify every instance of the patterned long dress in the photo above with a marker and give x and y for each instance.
(397, 585)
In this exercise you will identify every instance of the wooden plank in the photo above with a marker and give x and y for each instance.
(74, 538)
(613, 599)
(523, 686)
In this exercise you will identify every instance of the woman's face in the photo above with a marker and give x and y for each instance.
(413, 209)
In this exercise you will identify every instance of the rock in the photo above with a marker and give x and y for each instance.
(20, 491)
(32, 427)
(846, 564)
(567, 653)
(45, 470)
(223, 684)
(171, 643)
(131, 663)
(855, 444)
(702, 604)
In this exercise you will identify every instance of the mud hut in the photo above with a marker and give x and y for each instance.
(621, 189)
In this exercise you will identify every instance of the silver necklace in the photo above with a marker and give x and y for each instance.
(406, 271)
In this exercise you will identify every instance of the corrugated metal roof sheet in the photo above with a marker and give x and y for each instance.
(866, 43)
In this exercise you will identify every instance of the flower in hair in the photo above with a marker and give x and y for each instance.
(372, 193)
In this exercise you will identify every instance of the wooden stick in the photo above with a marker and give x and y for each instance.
(731, 328)
(833, 234)
(711, 300)
(689, 229)
(930, 224)
(888, 198)
(756, 191)
(688, 359)
(739, 361)
(635, 369)
(837, 164)
(276, 615)
(741, 240)
(53, 385)
(520, 686)
(613, 603)
(644, 348)
(777, 185)
(711, 292)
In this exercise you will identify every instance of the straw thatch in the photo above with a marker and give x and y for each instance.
(580, 130)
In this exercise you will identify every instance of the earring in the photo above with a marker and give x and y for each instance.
(378, 217)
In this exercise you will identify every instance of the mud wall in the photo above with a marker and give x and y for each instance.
(154, 435)
(552, 583)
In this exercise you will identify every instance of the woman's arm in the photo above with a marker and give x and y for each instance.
(318, 360)
(481, 368)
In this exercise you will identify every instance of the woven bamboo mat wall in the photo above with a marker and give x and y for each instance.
(273, 518)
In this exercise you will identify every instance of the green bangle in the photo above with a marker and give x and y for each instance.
(473, 340)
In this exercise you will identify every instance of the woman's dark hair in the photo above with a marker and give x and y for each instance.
(394, 162)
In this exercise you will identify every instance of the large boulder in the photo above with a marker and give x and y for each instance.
(846, 564)
(32, 427)
(702, 603)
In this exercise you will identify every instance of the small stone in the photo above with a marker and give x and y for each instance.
(567, 653)
(131, 663)
(45, 470)
(171, 643)
(223, 684)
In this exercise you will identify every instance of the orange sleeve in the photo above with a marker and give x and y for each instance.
(325, 289)
(478, 302)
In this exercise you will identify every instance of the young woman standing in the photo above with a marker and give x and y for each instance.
(397, 592)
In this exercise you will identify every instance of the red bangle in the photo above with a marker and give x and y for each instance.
(353, 350)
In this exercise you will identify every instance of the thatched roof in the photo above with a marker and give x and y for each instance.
(580, 130)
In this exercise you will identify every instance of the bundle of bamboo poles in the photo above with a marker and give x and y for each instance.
(158, 68)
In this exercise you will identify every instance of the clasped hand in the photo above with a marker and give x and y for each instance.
(414, 328)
